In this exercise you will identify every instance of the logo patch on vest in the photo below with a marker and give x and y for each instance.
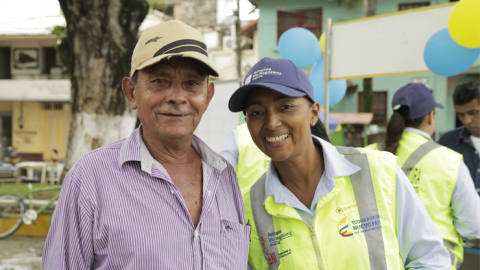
(343, 227)
(273, 258)
(363, 225)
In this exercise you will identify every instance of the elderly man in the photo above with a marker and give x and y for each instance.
(161, 198)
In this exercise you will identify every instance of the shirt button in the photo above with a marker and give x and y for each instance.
(476, 152)
(196, 233)
(171, 190)
(478, 170)
(478, 189)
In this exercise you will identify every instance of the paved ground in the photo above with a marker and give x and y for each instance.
(21, 253)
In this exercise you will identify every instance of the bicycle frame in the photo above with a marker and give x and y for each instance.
(50, 202)
(10, 216)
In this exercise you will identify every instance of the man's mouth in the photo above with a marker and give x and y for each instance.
(277, 139)
(175, 115)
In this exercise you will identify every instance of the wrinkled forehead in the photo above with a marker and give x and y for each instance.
(178, 64)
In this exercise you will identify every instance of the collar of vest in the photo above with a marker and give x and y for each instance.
(285, 210)
(413, 135)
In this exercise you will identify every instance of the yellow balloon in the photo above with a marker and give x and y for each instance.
(464, 23)
(322, 43)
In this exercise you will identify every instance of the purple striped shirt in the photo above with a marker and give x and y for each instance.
(119, 209)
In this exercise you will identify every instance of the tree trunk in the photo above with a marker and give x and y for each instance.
(369, 7)
(102, 34)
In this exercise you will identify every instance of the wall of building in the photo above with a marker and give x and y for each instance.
(196, 13)
(267, 33)
(37, 129)
(28, 42)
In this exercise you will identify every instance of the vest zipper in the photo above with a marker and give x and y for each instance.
(313, 236)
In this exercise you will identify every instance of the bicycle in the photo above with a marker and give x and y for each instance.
(13, 212)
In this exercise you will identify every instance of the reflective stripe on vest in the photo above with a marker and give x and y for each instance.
(264, 222)
(362, 184)
(417, 155)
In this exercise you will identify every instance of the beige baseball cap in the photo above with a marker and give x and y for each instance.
(170, 39)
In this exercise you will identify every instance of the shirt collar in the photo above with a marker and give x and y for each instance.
(464, 135)
(335, 165)
(134, 149)
(418, 131)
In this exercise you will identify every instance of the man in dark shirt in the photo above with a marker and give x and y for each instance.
(466, 139)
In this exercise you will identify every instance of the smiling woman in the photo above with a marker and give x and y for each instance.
(309, 182)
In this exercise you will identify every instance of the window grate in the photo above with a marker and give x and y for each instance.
(53, 106)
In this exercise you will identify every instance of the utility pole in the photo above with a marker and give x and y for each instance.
(238, 39)
(369, 7)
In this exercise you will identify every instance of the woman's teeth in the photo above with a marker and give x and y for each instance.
(277, 139)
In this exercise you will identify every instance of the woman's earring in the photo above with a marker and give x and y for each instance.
(313, 124)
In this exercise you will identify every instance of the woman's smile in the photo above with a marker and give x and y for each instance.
(277, 140)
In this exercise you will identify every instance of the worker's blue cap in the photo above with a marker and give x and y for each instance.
(279, 75)
(417, 98)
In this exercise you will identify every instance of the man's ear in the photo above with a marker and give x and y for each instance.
(210, 92)
(128, 88)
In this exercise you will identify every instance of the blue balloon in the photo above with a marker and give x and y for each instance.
(300, 46)
(338, 88)
(445, 57)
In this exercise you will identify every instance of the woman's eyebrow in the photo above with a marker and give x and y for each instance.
(253, 103)
(277, 98)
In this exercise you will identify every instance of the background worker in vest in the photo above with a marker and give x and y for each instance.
(321, 207)
(466, 139)
(248, 161)
(438, 174)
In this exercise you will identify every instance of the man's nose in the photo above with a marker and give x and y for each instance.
(467, 119)
(176, 94)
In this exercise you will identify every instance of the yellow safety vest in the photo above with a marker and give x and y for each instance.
(252, 162)
(433, 177)
(353, 228)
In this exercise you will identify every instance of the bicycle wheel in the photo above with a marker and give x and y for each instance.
(11, 211)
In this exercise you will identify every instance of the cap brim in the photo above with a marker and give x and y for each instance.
(439, 105)
(210, 70)
(239, 97)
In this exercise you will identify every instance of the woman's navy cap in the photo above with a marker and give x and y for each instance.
(279, 75)
(418, 99)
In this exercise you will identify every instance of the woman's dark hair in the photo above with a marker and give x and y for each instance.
(399, 120)
(319, 129)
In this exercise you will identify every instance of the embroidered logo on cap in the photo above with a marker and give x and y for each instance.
(265, 72)
(248, 79)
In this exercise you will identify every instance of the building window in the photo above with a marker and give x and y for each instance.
(379, 107)
(412, 5)
(310, 19)
(49, 55)
(5, 56)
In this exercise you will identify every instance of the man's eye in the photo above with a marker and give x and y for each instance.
(286, 106)
(255, 113)
(159, 81)
(192, 83)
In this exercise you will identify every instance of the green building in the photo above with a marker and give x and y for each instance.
(276, 16)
